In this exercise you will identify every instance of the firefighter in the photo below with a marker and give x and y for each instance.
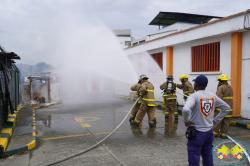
(185, 85)
(225, 92)
(170, 101)
(137, 106)
(146, 92)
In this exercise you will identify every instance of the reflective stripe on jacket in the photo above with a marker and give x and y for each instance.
(225, 92)
(147, 93)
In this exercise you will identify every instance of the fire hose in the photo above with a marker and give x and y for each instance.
(99, 142)
(230, 138)
(244, 150)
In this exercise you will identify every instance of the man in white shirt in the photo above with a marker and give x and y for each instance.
(198, 114)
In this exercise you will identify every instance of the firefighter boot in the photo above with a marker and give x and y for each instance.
(152, 124)
(131, 120)
(136, 124)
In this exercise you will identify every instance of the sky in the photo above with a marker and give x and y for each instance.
(129, 14)
(136, 14)
(26, 24)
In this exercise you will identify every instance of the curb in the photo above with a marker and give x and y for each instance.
(7, 132)
(46, 105)
(29, 146)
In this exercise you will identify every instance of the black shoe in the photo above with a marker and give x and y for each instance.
(153, 125)
(216, 134)
(223, 136)
(131, 120)
(135, 124)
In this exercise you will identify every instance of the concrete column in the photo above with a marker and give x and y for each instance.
(169, 67)
(30, 89)
(169, 122)
(236, 69)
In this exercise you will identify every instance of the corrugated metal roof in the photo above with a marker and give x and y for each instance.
(169, 18)
(223, 19)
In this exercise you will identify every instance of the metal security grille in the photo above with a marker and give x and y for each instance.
(9, 85)
(158, 58)
(206, 58)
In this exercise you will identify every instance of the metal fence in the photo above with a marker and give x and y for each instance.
(9, 85)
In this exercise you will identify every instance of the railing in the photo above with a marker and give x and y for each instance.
(9, 85)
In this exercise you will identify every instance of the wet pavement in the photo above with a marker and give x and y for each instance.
(64, 130)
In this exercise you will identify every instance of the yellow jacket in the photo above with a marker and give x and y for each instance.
(146, 91)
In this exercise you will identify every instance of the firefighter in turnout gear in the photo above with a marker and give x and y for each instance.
(146, 92)
(186, 86)
(170, 101)
(133, 113)
(225, 92)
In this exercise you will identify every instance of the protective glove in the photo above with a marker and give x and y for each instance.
(188, 123)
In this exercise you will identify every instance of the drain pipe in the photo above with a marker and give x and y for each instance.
(99, 142)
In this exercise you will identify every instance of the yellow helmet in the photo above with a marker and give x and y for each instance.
(143, 76)
(223, 77)
(183, 76)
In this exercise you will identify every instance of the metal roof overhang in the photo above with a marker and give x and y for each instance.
(233, 23)
(169, 18)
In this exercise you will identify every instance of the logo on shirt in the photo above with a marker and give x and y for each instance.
(206, 106)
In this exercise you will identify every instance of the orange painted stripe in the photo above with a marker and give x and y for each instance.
(170, 60)
(236, 67)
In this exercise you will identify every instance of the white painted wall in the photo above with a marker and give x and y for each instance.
(223, 26)
(206, 33)
(182, 60)
(55, 92)
(159, 77)
(245, 88)
(122, 41)
(164, 57)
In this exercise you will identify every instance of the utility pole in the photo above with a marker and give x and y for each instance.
(30, 88)
(49, 90)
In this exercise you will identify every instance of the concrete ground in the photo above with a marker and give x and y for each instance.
(64, 130)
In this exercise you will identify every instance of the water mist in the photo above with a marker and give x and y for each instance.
(87, 56)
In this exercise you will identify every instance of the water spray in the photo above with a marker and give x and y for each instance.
(181, 94)
(99, 142)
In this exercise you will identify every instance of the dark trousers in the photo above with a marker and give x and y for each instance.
(202, 146)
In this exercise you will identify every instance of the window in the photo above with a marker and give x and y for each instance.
(206, 58)
(158, 58)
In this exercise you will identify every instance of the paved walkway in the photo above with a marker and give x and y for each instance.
(64, 130)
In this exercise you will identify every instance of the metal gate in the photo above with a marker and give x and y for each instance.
(9, 85)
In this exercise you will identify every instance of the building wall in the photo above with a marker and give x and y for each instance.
(123, 41)
(182, 65)
(170, 29)
(225, 25)
(163, 50)
(182, 59)
(245, 88)
(158, 78)
(212, 32)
